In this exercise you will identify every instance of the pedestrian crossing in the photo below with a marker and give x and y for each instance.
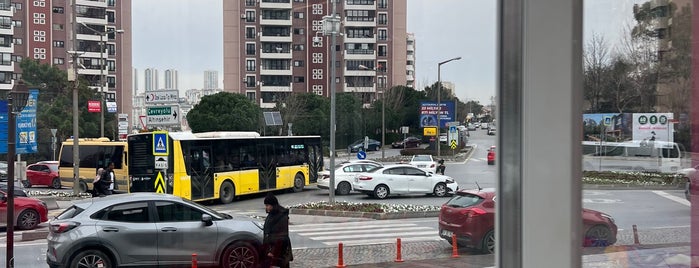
(365, 232)
(478, 159)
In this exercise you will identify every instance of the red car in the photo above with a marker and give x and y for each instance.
(491, 155)
(29, 212)
(43, 173)
(470, 214)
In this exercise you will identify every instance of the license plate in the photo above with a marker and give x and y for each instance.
(421, 165)
(447, 233)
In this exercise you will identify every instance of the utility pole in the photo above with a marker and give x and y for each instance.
(331, 26)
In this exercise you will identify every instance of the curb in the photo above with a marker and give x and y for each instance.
(371, 215)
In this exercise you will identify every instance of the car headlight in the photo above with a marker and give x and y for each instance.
(450, 180)
(608, 217)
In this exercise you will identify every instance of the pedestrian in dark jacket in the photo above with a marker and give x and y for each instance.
(276, 245)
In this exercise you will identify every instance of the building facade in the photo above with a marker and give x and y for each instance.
(410, 61)
(273, 48)
(171, 79)
(210, 79)
(151, 79)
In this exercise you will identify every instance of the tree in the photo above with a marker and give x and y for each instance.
(224, 111)
(596, 63)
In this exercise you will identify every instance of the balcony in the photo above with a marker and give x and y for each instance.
(275, 54)
(266, 71)
(265, 88)
(353, 5)
(276, 39)
(411, 57)
(355, 22)
(277, 22)
(360, 54)
(360, 73)
(276, 4)
(92, 21)
(360, 88)
(92, 3)
(361, 40)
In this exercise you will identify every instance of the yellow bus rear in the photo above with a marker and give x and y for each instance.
(94, 153)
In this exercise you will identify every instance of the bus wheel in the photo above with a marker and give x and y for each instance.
(227, 192)
(82, 186)
(298, 183)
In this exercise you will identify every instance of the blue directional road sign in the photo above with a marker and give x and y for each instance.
(361, 155)
(160, 146)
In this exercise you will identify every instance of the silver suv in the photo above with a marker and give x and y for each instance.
(148, 229)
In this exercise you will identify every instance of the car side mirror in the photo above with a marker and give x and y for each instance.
(206, 218)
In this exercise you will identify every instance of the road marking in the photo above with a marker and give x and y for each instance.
(673, 198)
(470, 153)
(365, 233)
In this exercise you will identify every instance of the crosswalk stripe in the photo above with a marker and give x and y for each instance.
(394, 234)
(302, 228)
(368, 231)
(384, 240)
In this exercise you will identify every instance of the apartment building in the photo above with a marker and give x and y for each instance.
(410, 63)
(171, 79)
(210, 79)
(42, 30)
(273, 48)
(151, 79)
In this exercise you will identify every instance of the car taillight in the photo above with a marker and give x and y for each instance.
(473, 212)
(62, 227)
(433, 165)
(364, 178)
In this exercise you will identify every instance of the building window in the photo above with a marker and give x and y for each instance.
(298, 63)
(298, 79)
(111, 49)
(383, 19)
(5, 40)
(250, 3)
(383, 3)
(298, 47)
(317, 57)
(57, 27)
(250, 32)
(17, 41)
(17, 58)
(251, 96)
(298, 15)
(249, 81)
(111, 82)
(298, 30)
(318, 89)
(111, 65)
(5, 58)
(110, 17)
(6, 22)
(250, 16)
(17, 6)
(383, 34)
(360, 15)
(250, 65)
(317, 74)
(383, 51)
(299, 1)
(58, 44)
(250, 49)
(6, 77)
(58, 61)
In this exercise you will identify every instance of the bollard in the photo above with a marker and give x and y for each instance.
(635, 236)
(194, 260)
(454, 250)
(340, 261)
(399, 257)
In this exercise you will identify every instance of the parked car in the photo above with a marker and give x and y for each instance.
(686, 175)
(484, 125)
(358, 145)
(29, 212)
(491, 130)
(471, 127)
(402, 179)
(408, 142)
(470, 214)
(424, 162)
(17, 190)
(344, 175)
(144, 229)
(491, 155)
(43, 173)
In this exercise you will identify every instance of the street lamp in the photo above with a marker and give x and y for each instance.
(102, 66)
(16, 101)
(383, 109)
(331, 26)
(439, 100)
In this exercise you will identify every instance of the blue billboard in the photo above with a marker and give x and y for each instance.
(26, 126)
(429, 112)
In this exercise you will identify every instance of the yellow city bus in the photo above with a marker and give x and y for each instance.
(94, 153)
(221, 165)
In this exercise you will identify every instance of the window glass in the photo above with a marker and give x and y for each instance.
(169, 211)
(136, 212)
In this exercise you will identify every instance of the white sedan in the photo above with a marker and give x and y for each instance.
(403, 179)
(424, 162)
(344, 175)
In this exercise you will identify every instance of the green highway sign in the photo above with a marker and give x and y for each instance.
(163, 115)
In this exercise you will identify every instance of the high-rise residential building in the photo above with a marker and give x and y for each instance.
(151, 79)
(210, 79)
(410, 63)
(171, 79)
(273, 48)
(43, 31)
(135, 81)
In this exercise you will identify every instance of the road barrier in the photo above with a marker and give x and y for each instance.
(454, 250)
(399, 258)
(340, 260)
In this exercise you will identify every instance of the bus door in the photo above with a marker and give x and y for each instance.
(315, 161)
(267, 166)
(201, 171)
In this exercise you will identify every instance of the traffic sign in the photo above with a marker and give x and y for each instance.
(162, 96)
(159, 183)
(361, 155)
(453, 144)
(163, 115)
(160, 146)
(161, 162)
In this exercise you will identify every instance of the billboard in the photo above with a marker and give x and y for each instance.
(26, 126)
(429, 112)
(628, 126)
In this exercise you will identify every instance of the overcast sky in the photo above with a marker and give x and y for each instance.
(186, 35)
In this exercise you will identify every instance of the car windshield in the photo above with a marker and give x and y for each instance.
(463, 200)
(209, 211)
(422, 158)
(53, 168)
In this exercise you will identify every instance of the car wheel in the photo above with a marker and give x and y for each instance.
(343, 188)
(82, 187)
(56, 183)
(598, 236)
(28, 219)
(26, 184)
(227, 192)
(488, 243)
(491, 163)
(440, 190)
(91, 258)
(298, 183)
(381, 191)
(241, 255)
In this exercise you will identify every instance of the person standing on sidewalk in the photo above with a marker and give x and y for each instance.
(276, 245)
